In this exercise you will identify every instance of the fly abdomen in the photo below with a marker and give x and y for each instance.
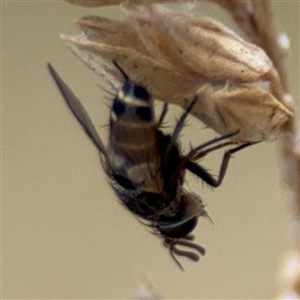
(134, 147)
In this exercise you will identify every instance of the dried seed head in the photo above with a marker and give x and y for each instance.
(163, 83)
(198, 45)
(178, 56)
(118, 33)
(254, 112)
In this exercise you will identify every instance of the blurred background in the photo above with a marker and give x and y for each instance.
(64, 233)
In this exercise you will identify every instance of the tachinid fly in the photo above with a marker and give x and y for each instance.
(146, 167)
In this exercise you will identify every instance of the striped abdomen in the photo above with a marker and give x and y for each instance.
(133, 151)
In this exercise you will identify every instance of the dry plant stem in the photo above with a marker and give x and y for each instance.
(269, 39)
(265, 29)
(289, 142)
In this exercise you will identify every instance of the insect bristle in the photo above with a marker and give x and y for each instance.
(107, 91)
(121, 70)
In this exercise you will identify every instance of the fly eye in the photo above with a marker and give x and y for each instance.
(180, 230)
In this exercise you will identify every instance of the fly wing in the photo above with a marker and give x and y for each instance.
(78, 110)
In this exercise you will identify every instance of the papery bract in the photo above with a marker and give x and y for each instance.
(178, 56)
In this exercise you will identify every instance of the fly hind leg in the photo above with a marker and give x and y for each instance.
(204, 174)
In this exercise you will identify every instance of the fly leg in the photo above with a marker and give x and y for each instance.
(163, 114)
(204, 174)
(181, 121)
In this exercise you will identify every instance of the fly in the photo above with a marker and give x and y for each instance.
(146, 167)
